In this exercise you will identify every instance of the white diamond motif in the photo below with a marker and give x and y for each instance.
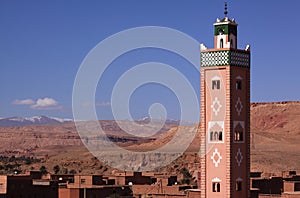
(218, 105)
(239, 157)
(239, 106)
(216, 157)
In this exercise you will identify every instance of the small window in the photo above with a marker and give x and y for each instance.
(220, 136)
(82, 181)
(216, 84)
(211, 136)
(238, 85)
(238, 186)
(1, 185)
(238, 135)
(216, 136)
(216, 187)
(221, 43)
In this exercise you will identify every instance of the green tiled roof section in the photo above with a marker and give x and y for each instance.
(227, 29)
(225, 57)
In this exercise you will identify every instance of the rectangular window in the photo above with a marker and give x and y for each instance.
(1, 185)
(297, 187)
(216, 84)
(238, 85)
(216, 187)
(82, 181)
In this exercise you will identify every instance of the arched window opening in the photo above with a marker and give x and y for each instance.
(221, 43)
(216, 187)
(216, 136)
(238, 85)
(238, 186)
(238, 135)
(220, 136)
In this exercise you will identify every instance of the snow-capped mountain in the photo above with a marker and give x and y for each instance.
(168, 121)
(35, 120)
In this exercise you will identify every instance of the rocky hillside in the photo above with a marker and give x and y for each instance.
(275, 129)
(275, 136)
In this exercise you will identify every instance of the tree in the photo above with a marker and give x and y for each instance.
(56, 169)
(187, 177)
(64, 171)
(73, 172)
(43, 170)
(28, 161)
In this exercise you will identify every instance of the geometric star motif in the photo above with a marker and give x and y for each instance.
(239, 157)
(216, 157)
(216, 106)
(238, 106)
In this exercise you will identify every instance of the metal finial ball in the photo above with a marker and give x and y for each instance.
(225, 11)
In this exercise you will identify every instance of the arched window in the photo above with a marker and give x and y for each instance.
(231, 43)
(221, 43)
(238, 84)
(238, 135)
(235, 135)
(241, 136)
(216, 187)
(238, 186)
(216, 136)
(220, 136)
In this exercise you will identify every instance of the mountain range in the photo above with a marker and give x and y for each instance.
(274, 130)
(35, 120)
(45, 120)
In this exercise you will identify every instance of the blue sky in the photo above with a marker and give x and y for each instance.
(43, 43)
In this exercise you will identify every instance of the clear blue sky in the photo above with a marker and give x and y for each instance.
(42, 44)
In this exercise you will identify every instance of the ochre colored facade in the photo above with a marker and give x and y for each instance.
(225, 115)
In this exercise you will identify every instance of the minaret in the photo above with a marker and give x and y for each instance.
(225, 115)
